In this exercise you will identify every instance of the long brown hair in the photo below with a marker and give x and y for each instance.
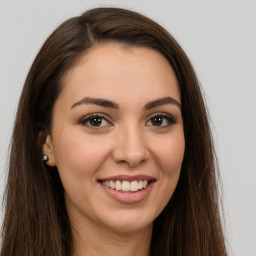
(36, 220)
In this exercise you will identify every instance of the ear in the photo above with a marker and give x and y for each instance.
(47, 149)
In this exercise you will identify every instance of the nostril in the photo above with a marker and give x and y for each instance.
(130, 147)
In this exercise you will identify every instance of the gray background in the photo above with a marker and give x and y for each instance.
(219, 38)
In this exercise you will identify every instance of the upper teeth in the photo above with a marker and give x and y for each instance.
(126, 185)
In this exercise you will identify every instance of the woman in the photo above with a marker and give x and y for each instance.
(112, 152)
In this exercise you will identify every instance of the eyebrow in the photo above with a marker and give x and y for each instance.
(162, 101)
(99, 102)
(110, 104)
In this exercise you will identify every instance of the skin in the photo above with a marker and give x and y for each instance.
(126, 142)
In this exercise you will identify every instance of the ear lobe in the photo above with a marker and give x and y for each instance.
(47, 149)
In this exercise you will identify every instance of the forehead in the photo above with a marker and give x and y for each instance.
(121, 73)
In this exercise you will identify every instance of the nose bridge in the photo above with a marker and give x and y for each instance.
(131, 145)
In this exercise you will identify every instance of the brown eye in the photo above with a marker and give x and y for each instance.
(94, 121)
(157, 121)
(161, 120)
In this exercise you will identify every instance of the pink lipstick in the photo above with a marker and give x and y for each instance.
(128, 189)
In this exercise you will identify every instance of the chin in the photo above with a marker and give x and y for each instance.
(128, 228)
(129, 222)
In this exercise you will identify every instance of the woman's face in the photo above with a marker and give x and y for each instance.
(117, 137)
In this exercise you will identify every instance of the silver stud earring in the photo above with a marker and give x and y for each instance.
(45, 159)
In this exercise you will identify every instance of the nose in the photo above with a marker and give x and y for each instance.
(130, 147)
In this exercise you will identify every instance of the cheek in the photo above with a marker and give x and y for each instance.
(77, 154)
(170, 154)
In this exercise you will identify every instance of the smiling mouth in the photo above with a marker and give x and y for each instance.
(126, 186)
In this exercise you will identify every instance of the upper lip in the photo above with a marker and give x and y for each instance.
(128, 178)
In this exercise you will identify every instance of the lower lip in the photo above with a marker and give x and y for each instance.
(126, 197)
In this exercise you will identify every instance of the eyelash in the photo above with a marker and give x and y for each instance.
(85, 120)
(170, 120)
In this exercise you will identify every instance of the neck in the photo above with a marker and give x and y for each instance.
(92, 240)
